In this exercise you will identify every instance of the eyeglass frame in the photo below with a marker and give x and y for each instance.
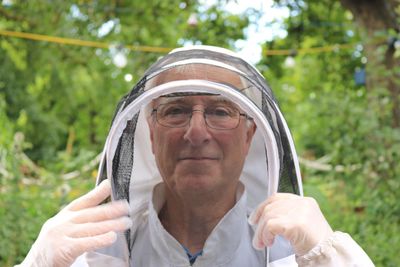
(154, 111)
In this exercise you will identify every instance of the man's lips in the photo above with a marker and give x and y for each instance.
(199, 158)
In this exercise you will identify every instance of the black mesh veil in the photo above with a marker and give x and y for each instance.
(128, 162)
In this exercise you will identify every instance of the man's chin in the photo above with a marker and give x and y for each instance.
(199, 169)
(196, 183)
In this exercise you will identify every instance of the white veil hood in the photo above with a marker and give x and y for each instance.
(271, 165)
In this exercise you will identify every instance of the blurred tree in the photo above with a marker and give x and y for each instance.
(58, 99)
(59, 80)
(350, 130)
(381, 25)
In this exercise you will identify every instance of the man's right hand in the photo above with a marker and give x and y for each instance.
(80, 227)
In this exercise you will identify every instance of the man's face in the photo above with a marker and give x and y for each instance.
(197, 159)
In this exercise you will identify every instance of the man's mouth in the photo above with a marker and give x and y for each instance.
(198, 158)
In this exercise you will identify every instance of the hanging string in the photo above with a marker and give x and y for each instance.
(311, 50)
(78, 42)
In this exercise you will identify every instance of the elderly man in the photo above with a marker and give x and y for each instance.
(194, 162)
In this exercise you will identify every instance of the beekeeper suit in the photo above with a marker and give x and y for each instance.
(202, 154)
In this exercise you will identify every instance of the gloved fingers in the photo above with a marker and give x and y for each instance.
(255, 216)
(92, 198)
(269, 231)
(300, 208)
(258, 242)
(297, 219)
(266, 232)
(277, 208)
(278, 226)
(90, 243)
(264, 213)
(103, 212)
(269, 204)
(99, 228)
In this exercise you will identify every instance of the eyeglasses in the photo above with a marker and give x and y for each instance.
(219, 117)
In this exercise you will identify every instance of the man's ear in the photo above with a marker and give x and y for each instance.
(251, 129)
(250, 132)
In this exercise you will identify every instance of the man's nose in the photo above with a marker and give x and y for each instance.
(197, 133)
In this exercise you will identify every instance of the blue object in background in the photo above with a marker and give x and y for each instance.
(360, 76)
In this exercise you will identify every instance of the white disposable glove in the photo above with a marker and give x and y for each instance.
(80, 227)
(298, 219)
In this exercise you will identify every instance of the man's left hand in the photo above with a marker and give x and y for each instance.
(298, 219)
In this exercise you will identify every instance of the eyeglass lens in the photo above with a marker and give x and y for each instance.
(179, 115)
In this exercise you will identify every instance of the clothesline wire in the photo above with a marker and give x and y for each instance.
(154, 49)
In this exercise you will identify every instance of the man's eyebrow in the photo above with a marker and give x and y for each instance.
(168, 100)
(215, 100)
(223, 100)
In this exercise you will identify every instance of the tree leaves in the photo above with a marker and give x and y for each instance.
(60, 98)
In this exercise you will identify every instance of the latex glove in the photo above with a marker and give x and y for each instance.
(298, 219)
(80, 227)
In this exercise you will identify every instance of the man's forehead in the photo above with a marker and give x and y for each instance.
(201, 72)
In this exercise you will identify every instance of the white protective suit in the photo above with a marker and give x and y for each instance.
(270, 167)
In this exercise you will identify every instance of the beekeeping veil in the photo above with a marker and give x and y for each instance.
(128, 161)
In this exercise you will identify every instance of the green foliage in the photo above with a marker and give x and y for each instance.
(58, 80)
(225, 26)
(56, 100)
(347, 126)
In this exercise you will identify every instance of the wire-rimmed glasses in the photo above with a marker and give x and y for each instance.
(219, 117)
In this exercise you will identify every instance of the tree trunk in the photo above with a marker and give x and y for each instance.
(377, 17)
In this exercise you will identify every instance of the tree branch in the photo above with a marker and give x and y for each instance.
(317, 165)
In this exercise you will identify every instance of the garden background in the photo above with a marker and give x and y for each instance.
(334, 67)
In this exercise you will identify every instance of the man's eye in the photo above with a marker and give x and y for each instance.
(174, 110)
(222, 112)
